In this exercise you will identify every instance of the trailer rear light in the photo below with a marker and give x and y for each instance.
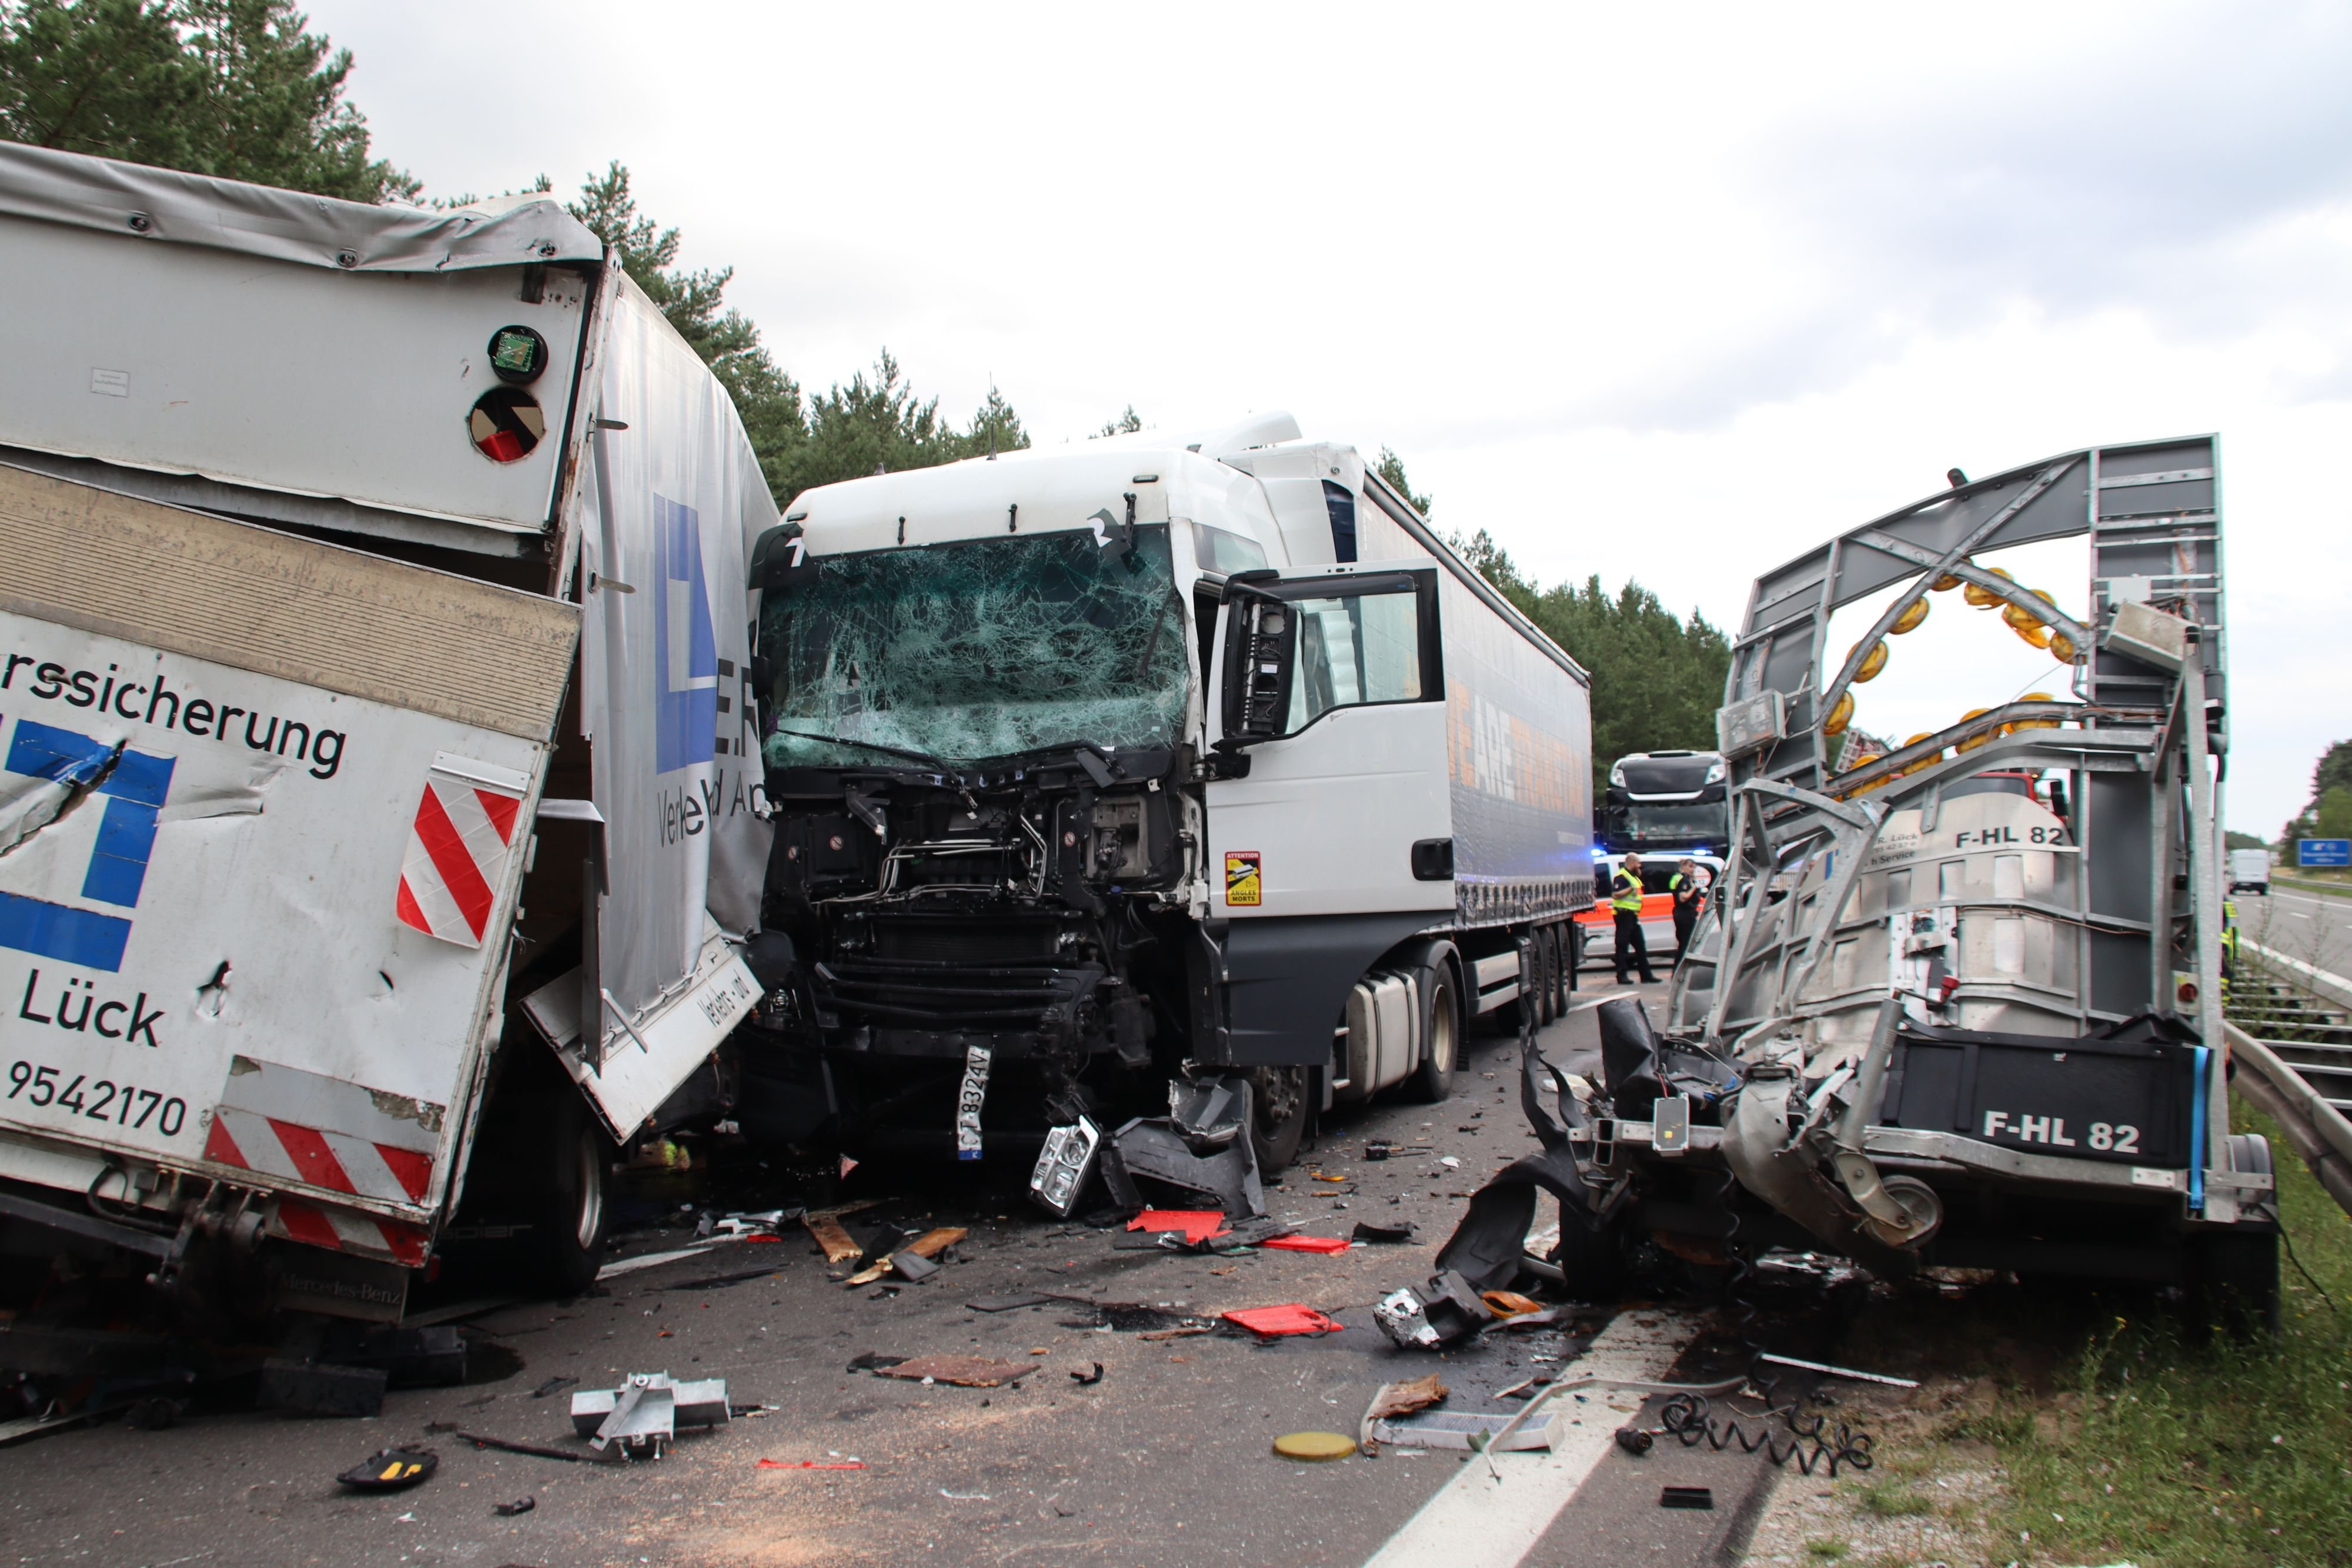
(2187, 991)
(506, 424)
(518, 354)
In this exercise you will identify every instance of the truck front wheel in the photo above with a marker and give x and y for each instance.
(1441, 1042)
(1278, 1115)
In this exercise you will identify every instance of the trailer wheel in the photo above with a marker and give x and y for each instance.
(2234, 1274)
(1432, 1081)
(572, 1214)
(1278, 1115)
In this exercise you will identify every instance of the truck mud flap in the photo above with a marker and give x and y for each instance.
(1486, 1246)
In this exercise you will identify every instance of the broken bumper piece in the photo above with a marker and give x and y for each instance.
(1202, 1147)
(1437, 1314)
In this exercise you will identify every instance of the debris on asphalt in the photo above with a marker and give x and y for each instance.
(1839, 1371)
(1509, 1303)
(392, 1469)
(519, 1505)
(1008, 1304)
(1314, 1447)
(1467, 1430)
(1384, 1235)
(1088, 1379)
(871, 1361)
(537, 1450)
(1687, 1497)
(317, 1388)
(964, 1371)
(722, 1282)
(1194, 1224)
(552, 1386)
(1377, 1151)
(838, 1248)
(1305, 1244)
(810, 1464)
(1636, 1440)
(1177, 1334)
(1288, 1319)
(1404, 1398)
(1443, 1310)
(647, 1410)
(915, 1260)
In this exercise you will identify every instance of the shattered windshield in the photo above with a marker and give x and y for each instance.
(978, 649)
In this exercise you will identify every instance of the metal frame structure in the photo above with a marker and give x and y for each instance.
(2142, 747)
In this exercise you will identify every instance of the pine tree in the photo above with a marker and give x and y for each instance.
(236, 89)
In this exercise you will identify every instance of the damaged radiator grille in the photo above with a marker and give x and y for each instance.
(939, 995)
(965, 941)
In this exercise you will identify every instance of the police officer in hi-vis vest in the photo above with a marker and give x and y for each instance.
(1625, 898)
(1688, 896)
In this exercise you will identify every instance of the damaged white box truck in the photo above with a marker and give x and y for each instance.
(369, 659)
(1193, 774)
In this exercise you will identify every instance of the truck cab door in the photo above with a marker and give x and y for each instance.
(1329, 793)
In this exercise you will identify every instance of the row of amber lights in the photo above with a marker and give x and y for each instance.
(2024, 622)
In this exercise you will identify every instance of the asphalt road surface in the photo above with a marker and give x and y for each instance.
(2311, 926)
(1166, 1460)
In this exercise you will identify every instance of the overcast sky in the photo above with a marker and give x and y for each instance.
(1672, 298)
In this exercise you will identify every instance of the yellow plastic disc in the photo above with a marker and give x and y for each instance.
(1314, 1446)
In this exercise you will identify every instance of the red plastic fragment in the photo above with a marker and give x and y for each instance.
(1304, 1243)
(1289, 1318)
(809, 1465)
(1197, 1224)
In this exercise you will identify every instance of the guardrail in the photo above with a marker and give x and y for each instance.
(2320, 1133)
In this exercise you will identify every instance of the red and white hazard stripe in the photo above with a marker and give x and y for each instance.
(347, 1230)
(457, 851)
(335, 1161)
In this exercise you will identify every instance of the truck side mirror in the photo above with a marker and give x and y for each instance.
(780, 557)
(1261, 655)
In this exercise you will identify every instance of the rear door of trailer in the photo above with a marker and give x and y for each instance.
(266, 808)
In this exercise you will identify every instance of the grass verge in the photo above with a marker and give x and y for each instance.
(2171, 1453)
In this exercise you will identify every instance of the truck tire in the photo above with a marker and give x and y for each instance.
(1278, 1110)
(1547, 946)
(1442, 1031)
(570, 1223)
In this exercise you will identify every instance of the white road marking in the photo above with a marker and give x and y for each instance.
(1477, 1519)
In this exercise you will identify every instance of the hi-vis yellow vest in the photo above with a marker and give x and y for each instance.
(1625, 892)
